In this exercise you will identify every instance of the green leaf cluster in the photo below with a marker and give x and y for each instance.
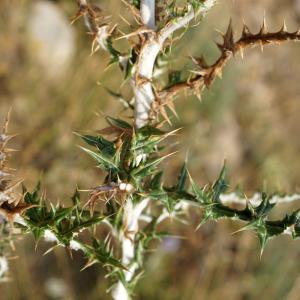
(133, 157)
(66, 224)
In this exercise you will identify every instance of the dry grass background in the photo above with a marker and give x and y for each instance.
(251, 118)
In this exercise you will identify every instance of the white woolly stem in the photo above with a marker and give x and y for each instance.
(256, 199)
(131, 218)
(3, 268)
(143, 92)
(148, 13)
(226, 199)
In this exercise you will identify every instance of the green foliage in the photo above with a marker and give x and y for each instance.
(131, 159)
(146, 142)
(64, 226)
(114, 54)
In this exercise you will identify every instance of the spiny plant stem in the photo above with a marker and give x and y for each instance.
(143, 97)
(130, 154)
(206, 74)
(142, 86)
(255, 200)
(11, 204)
(131, 219)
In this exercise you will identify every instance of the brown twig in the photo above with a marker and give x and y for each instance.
(206, 74)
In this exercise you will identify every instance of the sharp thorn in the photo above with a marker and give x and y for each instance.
(263, 29)
(242, 53)
(283, 28)
(246, 32)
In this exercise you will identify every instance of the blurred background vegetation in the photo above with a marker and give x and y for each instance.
(250, 117)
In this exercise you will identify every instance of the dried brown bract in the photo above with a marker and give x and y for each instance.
(92, 13)
(7, 183)
(114, 192)
(11, 201)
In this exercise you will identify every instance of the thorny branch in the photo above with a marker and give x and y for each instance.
(144, 96)
(131, 161)
(227, 200)
(12, 206)
(131, 219)
(143, 90)
(206, 74)
(255, 200)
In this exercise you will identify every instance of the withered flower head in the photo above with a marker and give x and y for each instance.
(11, 202)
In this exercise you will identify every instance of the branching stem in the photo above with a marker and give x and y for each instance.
(131, 218)
(143, 92)
(206, 74)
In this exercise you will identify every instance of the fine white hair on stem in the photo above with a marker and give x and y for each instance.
(131, 218)
(143, 92)
(120, 292)
(226, 199)
(144, 97)
(3, 266)
(148, 13)
(256, 199)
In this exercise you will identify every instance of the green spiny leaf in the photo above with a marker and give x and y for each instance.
(182, 178)
(130, 64)
(156, 181)
(200, 194)
(220, 186)
(148, 168)
(63, 213)
(104, 161)
(76, 198)
(118, 123)
(104, 146)
(265, 206)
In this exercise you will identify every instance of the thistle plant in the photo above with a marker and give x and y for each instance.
(11, 204)
(133, 200)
